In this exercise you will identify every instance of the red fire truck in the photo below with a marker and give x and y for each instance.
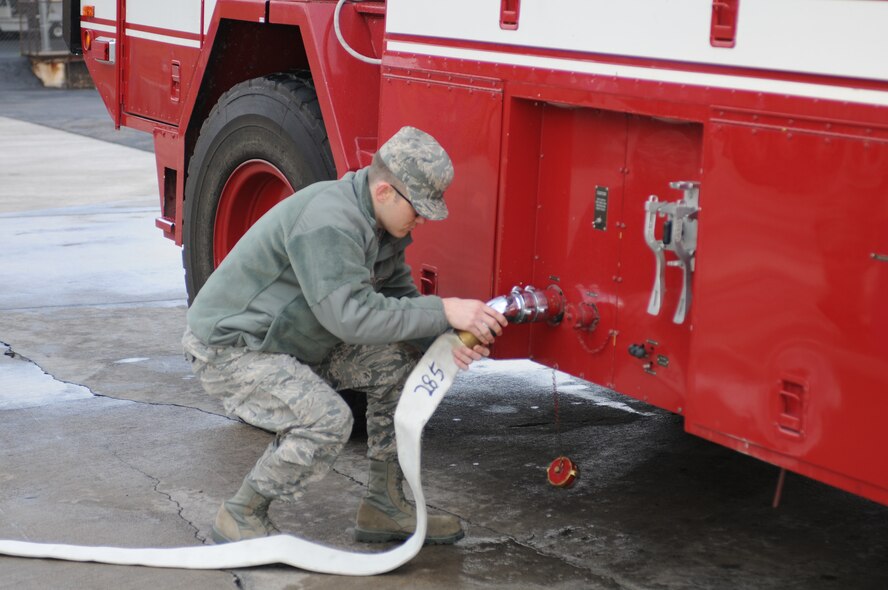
(702, 185)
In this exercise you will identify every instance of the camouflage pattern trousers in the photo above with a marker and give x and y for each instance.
(299, 404)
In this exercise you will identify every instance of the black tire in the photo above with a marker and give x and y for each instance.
(275, 119)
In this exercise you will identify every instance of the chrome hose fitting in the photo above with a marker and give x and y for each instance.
(528, 305)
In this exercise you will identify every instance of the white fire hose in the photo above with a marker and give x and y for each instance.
(422, 393)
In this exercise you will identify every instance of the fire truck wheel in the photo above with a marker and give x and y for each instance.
(263, 141)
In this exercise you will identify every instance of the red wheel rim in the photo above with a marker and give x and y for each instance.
(252, 189)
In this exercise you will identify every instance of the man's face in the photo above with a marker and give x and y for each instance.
(395, 213)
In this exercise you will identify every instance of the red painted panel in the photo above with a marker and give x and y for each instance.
(157, 76)
(517, 211)
(169, 154)
(104, 75)
(653, 98)
(657, 153)
(248, 10)
(466, 121)
(602, 262)
(579, 151)
(789, 298)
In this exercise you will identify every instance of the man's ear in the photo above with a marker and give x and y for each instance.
(380, 192)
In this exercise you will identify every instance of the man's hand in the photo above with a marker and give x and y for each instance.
(481, 320)
(476, 317)
(465, 356)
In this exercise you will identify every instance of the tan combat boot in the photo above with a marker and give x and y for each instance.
(244, 516)
(386, 515)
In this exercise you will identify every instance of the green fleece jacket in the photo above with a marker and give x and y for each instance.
(313, 272)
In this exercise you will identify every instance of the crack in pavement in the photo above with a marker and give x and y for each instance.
(157, 482)
(236, 579)
(604, 578)
(349, 477)
(15, 355)
(165, 404)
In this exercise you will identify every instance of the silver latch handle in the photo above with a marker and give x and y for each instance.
(652, 207)
(680, 236)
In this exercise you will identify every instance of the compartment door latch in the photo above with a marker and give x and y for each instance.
(679, 237)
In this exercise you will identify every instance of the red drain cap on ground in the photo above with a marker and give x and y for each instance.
(562, 472)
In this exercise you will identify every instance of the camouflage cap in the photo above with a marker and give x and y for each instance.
(419, 161)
